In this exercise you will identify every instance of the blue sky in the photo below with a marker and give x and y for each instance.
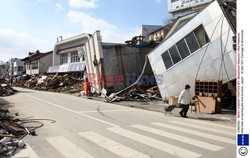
(30, 25)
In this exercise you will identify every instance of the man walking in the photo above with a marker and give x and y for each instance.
(185, 99)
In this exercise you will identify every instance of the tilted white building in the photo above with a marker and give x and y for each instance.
(201, 49)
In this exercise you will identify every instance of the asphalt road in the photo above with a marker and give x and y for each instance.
(86, 128)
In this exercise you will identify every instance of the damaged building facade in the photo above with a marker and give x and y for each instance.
(112, 65)
(108, 65)
(200, 49)
(66, 57)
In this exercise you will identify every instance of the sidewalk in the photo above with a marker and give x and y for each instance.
(226, 116)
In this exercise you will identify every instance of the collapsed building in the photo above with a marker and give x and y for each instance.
(198, 47)
(106, 65)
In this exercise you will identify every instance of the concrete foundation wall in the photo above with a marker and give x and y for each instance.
(45, 62)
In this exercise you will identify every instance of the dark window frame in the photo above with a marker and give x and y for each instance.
(194, 46)
(183, 48)
(63, 59)
(174, 53)
(166, 55)
(206, 39)
(74, 57)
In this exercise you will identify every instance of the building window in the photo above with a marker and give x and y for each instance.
(20, 68)
(192, 42)
(201, 35)
(167, 60)
(183, 49)
(28, 66)
(75, 57)
(189, 44)
(174, 54)
(34, 65)
(63, 59)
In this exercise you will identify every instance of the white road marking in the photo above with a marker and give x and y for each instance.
(67, 149)
(117, 148)
(106, 111)
(26, 152)
(194, 142)
(76, 112)
(210, 124)
(193, 132)
(171, 149)
(224, 132)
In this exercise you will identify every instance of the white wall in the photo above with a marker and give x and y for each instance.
(16, 64)
(68, 43)
(92, 48)
(185, 71)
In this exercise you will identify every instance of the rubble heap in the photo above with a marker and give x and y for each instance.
(5, 89)
(136, 93)
(11, 133)
(54, 83)
(13, 130)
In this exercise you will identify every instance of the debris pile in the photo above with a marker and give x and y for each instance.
(136, 93)
(54, 83)
(13, 129)
(5, 89)
(11, 133)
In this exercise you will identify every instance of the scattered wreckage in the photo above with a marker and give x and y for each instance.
(5, 89)
(68, 84)
(54, 83)
(13, 129)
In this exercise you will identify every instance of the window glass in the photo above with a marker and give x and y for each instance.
(63, 59)
(183, 50)
(34, 65)
(28, 66)
(167, 60)
(20, 68)
(192, 42)
(74, 57)
(201, 35)
(174, 54)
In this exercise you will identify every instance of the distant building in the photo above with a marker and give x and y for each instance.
(159, 34)
(179, 8)
(2, 69)
(37, 63)
(147, 29)
(14, 66)
(18, 67)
